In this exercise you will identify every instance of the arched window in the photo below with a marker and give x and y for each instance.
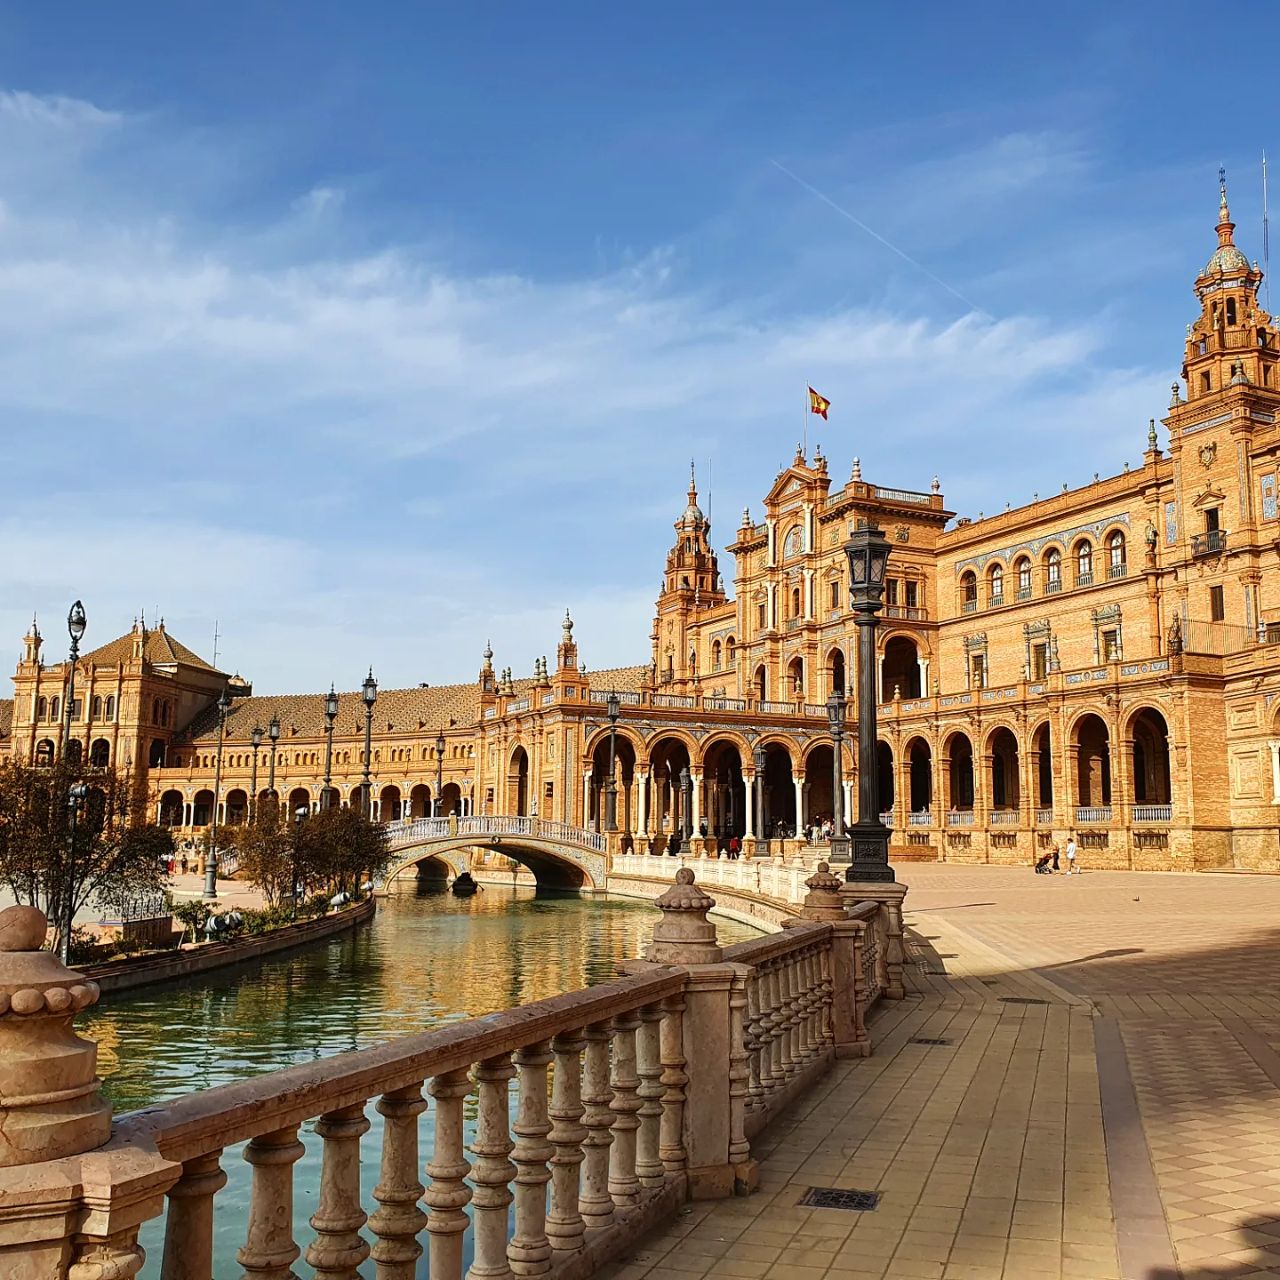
(55, 707)
(795, 602)
(1231, 311)
(111, 706)
(729, 646)
(969, 591)
(44, 752)
(1053, 570)
(96, 711)
(715, 655)
(996, 584)
(42, 708)
(1024, 578)
(155, 711)
(100, 753)
(1116, 566)
(1084, 563)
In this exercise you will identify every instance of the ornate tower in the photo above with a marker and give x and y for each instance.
(690, 584)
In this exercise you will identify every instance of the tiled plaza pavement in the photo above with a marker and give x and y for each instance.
(1124, 1124)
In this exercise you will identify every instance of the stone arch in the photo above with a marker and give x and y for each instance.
(625, 753)
(518, 781)
(299, 798)
(900, 667)
(818, 771)
(1042, 764)
(450, 800)
(1147, 734)
(554, 865)
(717, 739)
(724, 786)
(918, 755)
(884, 777)
(100, 753)
(236, 807)
(390, 803)
(957, 753)
(795, 678)
(420, 801)
(201, 807)
(760, 683)
(171, 808)
(779, 816)
(1091, 740)
(1005, 786)
(670, 754)
(835, 671)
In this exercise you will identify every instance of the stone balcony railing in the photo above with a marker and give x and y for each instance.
(628, 1099)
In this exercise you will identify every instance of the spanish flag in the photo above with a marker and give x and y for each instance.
(818, 404)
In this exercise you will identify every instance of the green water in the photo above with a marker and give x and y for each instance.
(423, 961)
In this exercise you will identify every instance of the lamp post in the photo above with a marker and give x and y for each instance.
(330, 715)
(437, 799)
(369, 692)
(273, 732)
(614, 707)
(686, 803)
(839, 837)
(299, 814)
(255, 741)
(757, 759)
(76, 623)
(211, 861)
(75, 797)
(868, 552)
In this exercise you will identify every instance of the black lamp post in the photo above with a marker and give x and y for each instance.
(75, 798)
(757, 759)
(868, 552)
(299, 816)
(76, 623)
(839, 836)
(437, 801)
(369, 692)
(273, 732)
(211, 861)
(255, 741)
(614, 707)
(330, 715)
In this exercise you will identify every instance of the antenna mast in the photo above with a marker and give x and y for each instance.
(1266, 234)
(215, 643)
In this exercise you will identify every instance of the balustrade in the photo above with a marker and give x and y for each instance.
(1092, 814)
(1152, 812)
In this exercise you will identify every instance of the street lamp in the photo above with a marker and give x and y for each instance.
(437, 801)
(255, 740)
(369, 692)
(839, 837)
(614, 707)
(211, 861)
(868, 552)
(330, 715)
(75, 797)
(273, 732)
(757, 759)
(76, 623)
(299, 814)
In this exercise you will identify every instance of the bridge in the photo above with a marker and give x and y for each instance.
(560, 855)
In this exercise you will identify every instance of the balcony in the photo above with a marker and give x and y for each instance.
(1053, 586)
(1024, 593)
(1152, 813)
(909, 611)
(1212, 543)
(995, 602)
(1092, 815)
(1044, 817)
(920, 818)
(970, 606)
(960, 818)
(1003, 818)
(1084, 579)
(1117, 571)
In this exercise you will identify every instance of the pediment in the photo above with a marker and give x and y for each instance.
(1211, 497)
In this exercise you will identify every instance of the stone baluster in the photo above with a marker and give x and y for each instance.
(594, 1201)
(773, 1074)
(752, 1042)
(739, 1073)
(530, 1249)
(114, 1257)
(269, 1250)
(339, 1249)
(649, 1068)
(826, 990)
(564, 1222)
(624, 1185)
(675, 1081)
(398, 1220)
(448, 1193)
(789, 993)
(492, 1171)
(805, 1003)
(817, 1021)
(188, 1227)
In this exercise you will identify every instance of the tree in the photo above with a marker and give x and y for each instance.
(265, 853)
(341, 847)
(112, 853)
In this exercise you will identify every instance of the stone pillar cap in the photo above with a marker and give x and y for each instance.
(684, 935)
(33, 980)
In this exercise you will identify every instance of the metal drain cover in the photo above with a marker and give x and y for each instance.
(1020, 1000)
(927, 1040)
(834, 1198)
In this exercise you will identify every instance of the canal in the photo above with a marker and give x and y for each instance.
(426, 959)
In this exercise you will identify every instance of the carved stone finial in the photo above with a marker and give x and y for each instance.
(856, 473)
(1177, 395)
(684, 935)
(823, 901)
(50, 1106)
(935, 485)
(567, 627)
(1152, 442)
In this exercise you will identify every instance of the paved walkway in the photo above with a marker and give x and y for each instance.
(1084, 1081)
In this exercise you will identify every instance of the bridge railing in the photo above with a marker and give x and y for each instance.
(783, 883)
(404, 833)
(627, 1099)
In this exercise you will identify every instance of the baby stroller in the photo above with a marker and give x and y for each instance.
(1044, 866)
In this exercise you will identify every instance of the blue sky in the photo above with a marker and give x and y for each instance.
(373, 337)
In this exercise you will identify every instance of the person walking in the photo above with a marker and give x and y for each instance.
(1056, 865)
(1071, 854)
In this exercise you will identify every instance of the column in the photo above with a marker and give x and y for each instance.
(847, 787)
(644, 802)
(800, 814)
(880, 689)
(749, 779)
(586, 799)
(923, 664)
(695, 777)
(1275, 772)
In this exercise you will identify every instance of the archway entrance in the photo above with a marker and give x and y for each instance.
(724, 806)
(389, 804)
(920, 767)
(900, 669)
(624, 754)
(1004, 770)
(171, 809)
(450, 800)
(1093, 766)
(518, 782)
(959, 773)
(1151, 777)
(1042, 753)
(884, 779)
(835, 671)
(420, 801)
(819, 784)
(779, 818)
(668, 761)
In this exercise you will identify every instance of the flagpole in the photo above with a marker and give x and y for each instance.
(805, 421)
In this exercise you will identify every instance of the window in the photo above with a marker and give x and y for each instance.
(795, 602)
(997, 584)
(835, 594)
(979, 665)
(1024, 579)
(1231, 311)
(913, 595)
(1212, 518)
(1116, 555)
(1084, 564)
(1053, 570)
(1110, 646)
(729, 645)
(155, 711)
(969, 592)
(715, 656)
(55, 707)
(1216, 610)
(1039, 661)
(111, 706)
(42, 708)
(891, 591)
(1206, 383)
(97, 707)
(760, 615)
